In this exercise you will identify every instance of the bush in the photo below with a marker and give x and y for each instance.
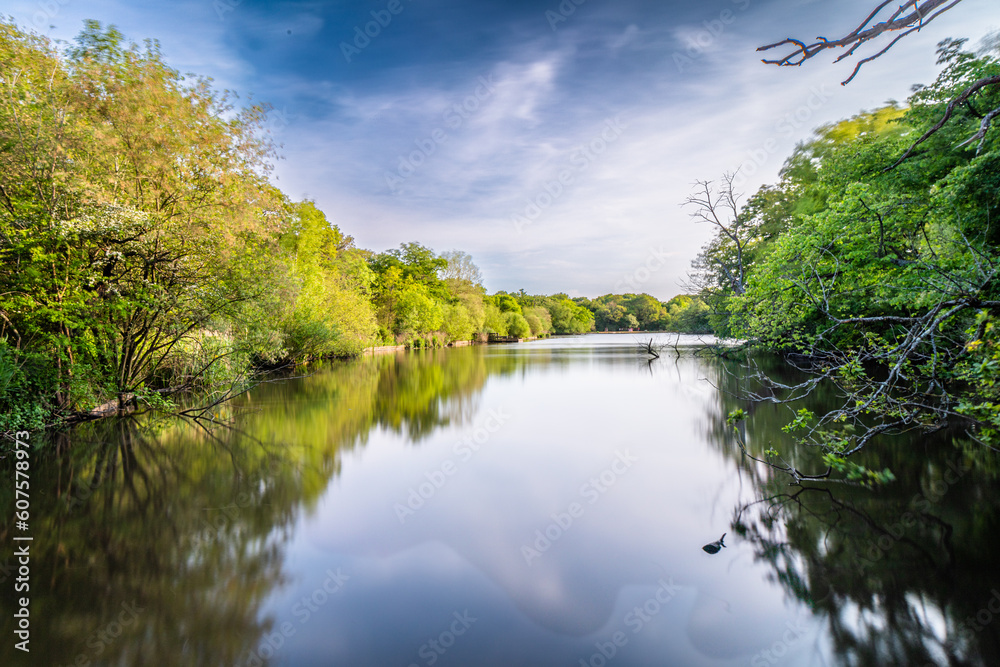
(417, 311)
(517, 325)
(539, 320)
(22, 384)
(23, 417)
(458, 324)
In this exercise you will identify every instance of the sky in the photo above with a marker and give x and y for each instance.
(553, 140)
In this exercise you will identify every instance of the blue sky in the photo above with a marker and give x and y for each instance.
(554, 141)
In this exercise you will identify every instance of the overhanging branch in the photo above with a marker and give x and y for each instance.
(950, 111)
(899, 21)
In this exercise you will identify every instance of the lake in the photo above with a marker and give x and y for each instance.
(542, 503)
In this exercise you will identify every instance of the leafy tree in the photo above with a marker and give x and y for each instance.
(419, 295)
(883, 282)
(460, 268)
(539, 320)
(331, 312)
(686, 314)
(517, 325)
(145, 250)
(418, 312)
(120, 226)
(505, 303)
(416, 263)
(608, 315)
(495, 320)
(569, 317)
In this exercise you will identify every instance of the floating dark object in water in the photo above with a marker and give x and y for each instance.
(715, 547)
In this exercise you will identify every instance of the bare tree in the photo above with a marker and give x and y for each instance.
(721, 209)
(461, 267)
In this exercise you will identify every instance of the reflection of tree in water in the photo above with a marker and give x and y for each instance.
(189, 525)
(129, 565)
(901, 573)
(412, 394)
(419, 393)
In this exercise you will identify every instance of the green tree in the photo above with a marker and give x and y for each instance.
(569, 317)
(331, 312)
(418, 312)
(539, 320)
(884, 279)
(517, 325)
(121, 226)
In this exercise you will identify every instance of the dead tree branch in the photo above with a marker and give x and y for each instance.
(910, 16)
(962, 98)
(721, 209)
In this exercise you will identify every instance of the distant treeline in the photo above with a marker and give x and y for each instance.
(145, 251)
(558, 314)
(618, 312)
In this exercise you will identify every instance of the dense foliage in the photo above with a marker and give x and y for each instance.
(881, 280)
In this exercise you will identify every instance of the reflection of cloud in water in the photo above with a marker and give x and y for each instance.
(649, 524)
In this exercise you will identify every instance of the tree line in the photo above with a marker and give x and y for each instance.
(145, 251)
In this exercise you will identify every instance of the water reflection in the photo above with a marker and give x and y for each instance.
(902, 576)
(185, 528)
(534, 504)
(122, 573)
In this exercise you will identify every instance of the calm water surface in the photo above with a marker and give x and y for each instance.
(535, 504)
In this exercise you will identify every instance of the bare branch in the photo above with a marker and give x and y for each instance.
(922, 13)
(981, 134)
(721, 209)
(950, 111)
